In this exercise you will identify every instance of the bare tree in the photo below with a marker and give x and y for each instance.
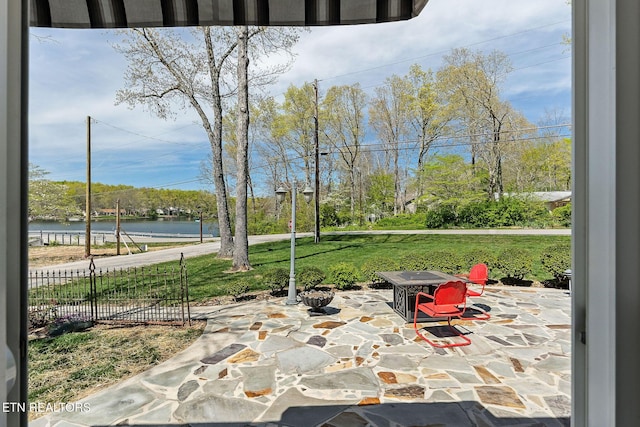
(472, 82)
(429, 115)
(165, 70)
(389, 115)
(344, 127)
(295, 123)
(171, 68)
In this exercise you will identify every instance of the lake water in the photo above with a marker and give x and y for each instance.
(160, 228)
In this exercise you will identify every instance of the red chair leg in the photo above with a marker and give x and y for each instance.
(482, 316)
(466, 341)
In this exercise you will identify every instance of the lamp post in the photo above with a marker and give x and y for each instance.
(200, 221)
(281, 192)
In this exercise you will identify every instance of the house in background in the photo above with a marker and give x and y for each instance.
(552, 199)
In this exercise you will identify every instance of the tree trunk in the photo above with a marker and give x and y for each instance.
(241, 250)
(215, 139)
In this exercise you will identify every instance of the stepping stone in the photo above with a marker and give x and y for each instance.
(499, 395)
(222, 354)
(209, 407)
(329, 324)
(409, 392)
(486, 376)
(352, 379)
(106, 408)
(246, 355)
(258, 380)
(317, 340)
(303, 359)
(186, 389)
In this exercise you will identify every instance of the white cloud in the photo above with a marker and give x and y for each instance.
(77, 73)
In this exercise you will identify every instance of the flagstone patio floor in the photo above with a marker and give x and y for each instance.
(265, 363)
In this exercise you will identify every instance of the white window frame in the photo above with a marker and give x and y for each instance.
(606, 206)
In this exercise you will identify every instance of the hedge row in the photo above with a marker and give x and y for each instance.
(507, 212)
(513, 264)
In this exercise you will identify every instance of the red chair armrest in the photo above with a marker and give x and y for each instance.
(424, 294)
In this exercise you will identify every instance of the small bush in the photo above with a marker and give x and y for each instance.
(515, 263)
(445, 261)
(441, 217)
(41, 317)
(370, 267)
(310, 277)
(237, 289)
(402, 221)
(479, 256)
(563, 215)
(414, 261)
(344, 275)
(556, 259)
(276, 279)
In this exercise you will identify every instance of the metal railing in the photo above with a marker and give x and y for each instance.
(138, 294)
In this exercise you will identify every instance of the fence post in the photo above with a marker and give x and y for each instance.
(93, 293)
(184, 288)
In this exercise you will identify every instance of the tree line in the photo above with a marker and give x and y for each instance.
(427, 137)
(62, 200)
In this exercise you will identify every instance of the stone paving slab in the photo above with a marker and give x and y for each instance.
(270, 364)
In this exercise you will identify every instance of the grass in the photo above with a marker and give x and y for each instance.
(209, 277)
(69, 367)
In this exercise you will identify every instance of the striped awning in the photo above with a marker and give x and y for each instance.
(179, 13)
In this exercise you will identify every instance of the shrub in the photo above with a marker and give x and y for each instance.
(237, 289)
(556, 259)
(310, 277)
(440, 217)
(445, 261)
(474, 214)
(370, 266)
(344, 275)
(402, 221)
(41, 317)
(328, 216)
(515, 263)
(480, 256)
(563, 215)
(414, 261)
(276, 279)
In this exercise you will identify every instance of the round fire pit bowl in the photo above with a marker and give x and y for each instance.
(316, 300)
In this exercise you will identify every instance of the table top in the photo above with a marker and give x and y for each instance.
(413, 278)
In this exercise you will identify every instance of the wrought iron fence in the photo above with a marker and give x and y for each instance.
(138, 294)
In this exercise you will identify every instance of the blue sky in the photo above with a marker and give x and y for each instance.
(76, 73)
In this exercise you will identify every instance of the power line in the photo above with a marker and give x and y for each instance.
(153, 138)
(442, 52)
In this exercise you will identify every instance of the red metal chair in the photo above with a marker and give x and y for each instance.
(478, 275)
(449, 300)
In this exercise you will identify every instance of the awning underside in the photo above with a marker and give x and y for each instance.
(180, 13)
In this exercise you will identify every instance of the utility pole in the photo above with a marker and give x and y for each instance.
(316, 232)
(118, 227)
(87, 232)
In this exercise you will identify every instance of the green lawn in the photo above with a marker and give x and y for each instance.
(209, 277)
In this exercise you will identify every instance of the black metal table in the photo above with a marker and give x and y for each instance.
(406, 284)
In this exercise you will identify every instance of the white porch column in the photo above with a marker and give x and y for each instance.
(13, 198)
(606, 108)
